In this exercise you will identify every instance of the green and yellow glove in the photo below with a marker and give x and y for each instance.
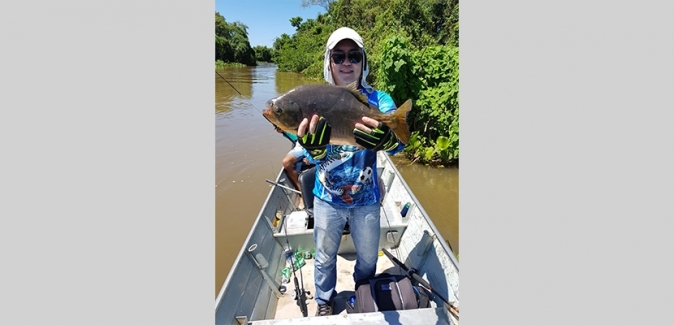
(381, 138)
(317, 142)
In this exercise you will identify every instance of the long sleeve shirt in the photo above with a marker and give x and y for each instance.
(347, 175)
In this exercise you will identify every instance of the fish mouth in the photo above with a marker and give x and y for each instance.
(266, 113)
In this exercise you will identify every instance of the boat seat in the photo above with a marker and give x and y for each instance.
(392, 225)
(306, 179)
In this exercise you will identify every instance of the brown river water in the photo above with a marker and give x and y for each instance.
(248, 151)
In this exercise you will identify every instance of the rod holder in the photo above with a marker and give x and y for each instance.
(261, 263)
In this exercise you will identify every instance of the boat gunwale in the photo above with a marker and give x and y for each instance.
(442, 242)
(260, 215)
(245, 242)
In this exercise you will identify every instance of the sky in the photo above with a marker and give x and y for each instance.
(266, 19)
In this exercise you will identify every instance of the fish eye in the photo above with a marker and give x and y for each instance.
(278, 110)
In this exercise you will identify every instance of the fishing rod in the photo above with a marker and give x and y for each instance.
(283, 186)
(240, 94)
(223, 78)
(414, 275)
(300, 294)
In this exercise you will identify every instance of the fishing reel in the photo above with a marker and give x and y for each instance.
(293, 295)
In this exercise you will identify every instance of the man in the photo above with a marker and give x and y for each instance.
(346, 62)
(294, 156)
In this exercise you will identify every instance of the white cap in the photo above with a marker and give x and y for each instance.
(341, 34)
(337, 36)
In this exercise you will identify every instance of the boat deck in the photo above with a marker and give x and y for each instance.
(287, 307)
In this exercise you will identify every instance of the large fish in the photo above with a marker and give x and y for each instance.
(342, 108)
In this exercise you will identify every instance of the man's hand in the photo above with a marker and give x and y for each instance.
(315, 142)
(378, 136)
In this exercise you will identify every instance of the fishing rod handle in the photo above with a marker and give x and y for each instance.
(421, 280)
(395, 260)
(301, 298)
(425, 283)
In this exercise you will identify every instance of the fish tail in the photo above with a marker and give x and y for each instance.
(397, 121)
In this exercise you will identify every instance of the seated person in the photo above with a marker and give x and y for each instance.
(294, 161)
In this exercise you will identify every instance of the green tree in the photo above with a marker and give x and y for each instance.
(445, 17)
(323, 3)
(296, 22)
(303, 51)
(263, 53)
(231, 42)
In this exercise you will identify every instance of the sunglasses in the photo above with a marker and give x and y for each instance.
(355, 56)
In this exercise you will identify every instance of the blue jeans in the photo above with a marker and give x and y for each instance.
(329, 223)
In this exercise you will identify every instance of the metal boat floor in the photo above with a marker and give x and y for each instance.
(287, 307)
(288, 312)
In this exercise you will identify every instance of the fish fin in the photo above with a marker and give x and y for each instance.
(353, 88)
(397, 121)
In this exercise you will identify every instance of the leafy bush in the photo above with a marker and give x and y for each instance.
(222, 64)
(430, 77)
